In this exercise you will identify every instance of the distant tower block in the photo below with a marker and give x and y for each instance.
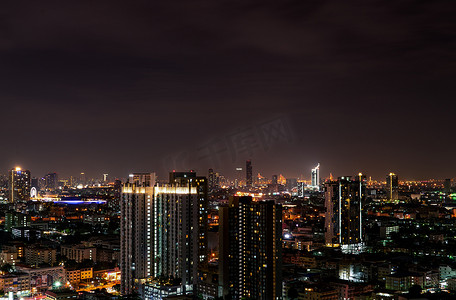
(248, 173)
(315, 177)
(392, 187)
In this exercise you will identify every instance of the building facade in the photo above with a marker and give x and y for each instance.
(392, 187)
(80, 252)
(35, 255)
(344, 201)
(315, 177)
(250, 252)
(19, 185)
(180, 228)
(136, 231)
(248, 173)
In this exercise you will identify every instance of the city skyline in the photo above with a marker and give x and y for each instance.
(304, 175)
(227, 150)
(356, 86)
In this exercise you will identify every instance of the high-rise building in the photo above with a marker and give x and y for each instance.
(315, 177)
(238, 178)
(211, 180)
(447, 186)
(344, 202)
(115, 195)
(51, 181)
(282, 180)
(392, 187)
(34, 183)
(144, 179)
(19, 184)
(82, 179)
(250, 250)
(274, 179)
(136, 230)
(291, 183)
(163, 230)
(180, 228)
(248, 173)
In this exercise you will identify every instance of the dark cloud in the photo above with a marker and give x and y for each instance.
(114, 86)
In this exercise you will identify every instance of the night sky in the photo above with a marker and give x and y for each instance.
(121, 86)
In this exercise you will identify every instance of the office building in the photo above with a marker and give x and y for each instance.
(344, 201)
(136, 230)
(250, 251)
(248, 173)
(392, 187)
(315, 177)
(180, 229)
(19, 185)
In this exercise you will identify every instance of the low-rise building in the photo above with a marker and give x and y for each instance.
(8, 256)
(157, 291)
(318, 292)
(80, 252)
(27, 233)
(43, 278)
(61, 295)
(35, 255)
(17, 283)
(75, 276)
(446, 272)
(402, 281)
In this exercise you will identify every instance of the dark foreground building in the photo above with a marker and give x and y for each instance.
(251, 249)
(345, 199)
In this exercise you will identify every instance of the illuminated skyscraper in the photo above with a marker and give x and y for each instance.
(180, 228)
(250, 251)
(344, 201)
(392, 187)
(248, 173)
(163, 230)
(315, 177)
(136, 230)
(239, 175)
(19, 185)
